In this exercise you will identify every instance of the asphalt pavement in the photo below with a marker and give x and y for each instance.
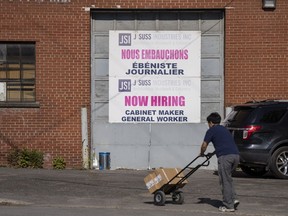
(123, 192)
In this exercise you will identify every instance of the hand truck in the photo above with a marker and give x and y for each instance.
(173, 189)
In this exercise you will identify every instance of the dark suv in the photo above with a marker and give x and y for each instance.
(260, 130)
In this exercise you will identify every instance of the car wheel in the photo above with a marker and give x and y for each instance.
(279, 163)
(253, 171)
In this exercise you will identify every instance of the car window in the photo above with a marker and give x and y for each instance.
(239, 115)
(273, 116)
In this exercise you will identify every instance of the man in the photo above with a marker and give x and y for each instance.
(228, 159)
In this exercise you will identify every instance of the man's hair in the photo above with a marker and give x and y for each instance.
(214, 117)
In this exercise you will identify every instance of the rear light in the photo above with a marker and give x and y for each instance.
(249, 130)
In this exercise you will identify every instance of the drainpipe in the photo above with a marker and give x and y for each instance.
(85, 147)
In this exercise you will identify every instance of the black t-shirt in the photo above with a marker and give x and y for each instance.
(222, 140)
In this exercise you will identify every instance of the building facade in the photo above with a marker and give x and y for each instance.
(54, 74)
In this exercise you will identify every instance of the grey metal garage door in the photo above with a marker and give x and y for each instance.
(142, 146)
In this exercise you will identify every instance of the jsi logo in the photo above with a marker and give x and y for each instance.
(124, 85)
(124, 39)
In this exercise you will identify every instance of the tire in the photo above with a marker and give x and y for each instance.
(254, 171)
(279, 163)
(159, 198)
(178, 197)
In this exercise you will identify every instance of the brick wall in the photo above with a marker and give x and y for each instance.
(61, 32)
(255, 64)
(256, 52)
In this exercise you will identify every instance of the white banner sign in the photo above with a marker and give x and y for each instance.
(154, 76)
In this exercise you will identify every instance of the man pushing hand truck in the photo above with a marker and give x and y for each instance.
(228, 159)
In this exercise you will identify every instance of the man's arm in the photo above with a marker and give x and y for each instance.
(203, 148)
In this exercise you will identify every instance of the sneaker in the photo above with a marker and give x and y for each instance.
(236, 203)
(224, 209)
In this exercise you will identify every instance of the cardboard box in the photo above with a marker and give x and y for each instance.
(159, 177)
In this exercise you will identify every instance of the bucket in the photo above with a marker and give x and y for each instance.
(104, 160)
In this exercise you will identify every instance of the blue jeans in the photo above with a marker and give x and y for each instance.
(226, 165)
